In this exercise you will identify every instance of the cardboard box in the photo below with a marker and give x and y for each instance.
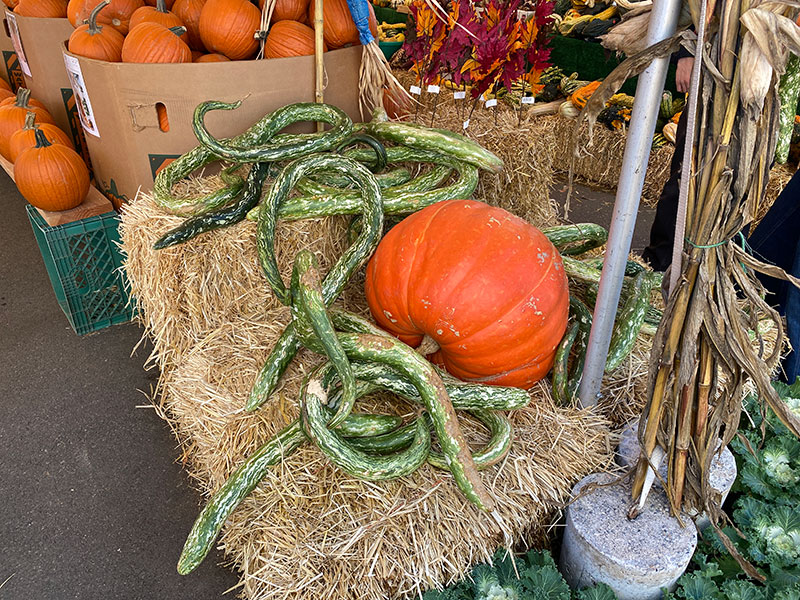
(39, 44)
(118, 106)
(10, 69)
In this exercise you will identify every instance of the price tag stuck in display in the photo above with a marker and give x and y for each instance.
(466, 123)
(459, 95)
(528, 100)
(491, 103)
(433, 89)
(415, 89)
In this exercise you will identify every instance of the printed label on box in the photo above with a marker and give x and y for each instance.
(82, 101)
(159, 161)
(75, 127)
(15, 77)
(13, 29)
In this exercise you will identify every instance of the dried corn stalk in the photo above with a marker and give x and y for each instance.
(702, 354)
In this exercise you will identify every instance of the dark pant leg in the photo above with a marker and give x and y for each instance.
(662, 234)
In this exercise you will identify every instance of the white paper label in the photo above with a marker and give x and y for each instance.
(483, 98)
(82, 101)
(13, 29)
(466, 123)
(433, 89)
(491, 103)
(459, 95)
(415, 89)
(528, 99)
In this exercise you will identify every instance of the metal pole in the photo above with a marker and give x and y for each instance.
(663, 21)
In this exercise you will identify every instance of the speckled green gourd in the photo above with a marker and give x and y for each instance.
(629, 320)
(560, 373)
(502, 435)
(576, 239)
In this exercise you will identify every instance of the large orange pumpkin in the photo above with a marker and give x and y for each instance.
(189, 12)
(288, 10)
(227, 27)
(51, 176)
(96, 41)
(26, 137)
(289, 38)
(4, 93)
(154, 43)
(156, 14)
(209, 58)
(486, 286)
(117, 14)
(54, 9)
(74, 9)
(12, 117)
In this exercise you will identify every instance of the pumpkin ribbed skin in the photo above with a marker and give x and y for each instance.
(288, 10)
(488, 287)
(227, 27)
(4, 94)
(13, 113)
(189, 11)
(74, 8)
(53, 9)
(51, 176)
(96, 41)
(340, 29)
(117, 14)
(155, 14)
(289, 38)
(154, 43)
(5, 85)
(26, 138)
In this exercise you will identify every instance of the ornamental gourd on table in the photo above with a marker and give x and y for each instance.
(488, 288)
(228, 26)
(51, 176)
(97, 41)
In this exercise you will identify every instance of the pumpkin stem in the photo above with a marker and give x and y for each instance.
(427, 346)
(179, 31)
(23, 96)
(94, 28)
(41, 140)
(30, 121)
(161, 6)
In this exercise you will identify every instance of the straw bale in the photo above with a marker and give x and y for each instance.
(600, 163)
(310, 531)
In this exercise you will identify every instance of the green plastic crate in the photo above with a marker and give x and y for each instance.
(84, 264)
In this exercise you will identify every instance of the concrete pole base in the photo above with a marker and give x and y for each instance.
(721, 476)
(635, 558)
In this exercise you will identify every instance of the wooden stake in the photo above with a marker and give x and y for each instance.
(319, 63)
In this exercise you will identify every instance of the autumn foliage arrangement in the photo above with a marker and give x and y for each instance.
(482, 47)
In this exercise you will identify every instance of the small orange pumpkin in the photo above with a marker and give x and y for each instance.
(11, 3)
(228, 26)
(155, 14)
(74, 8)
(52, 9)
(13, 115)
(51, 176)
(4, 94)
(189, 11)
(288, 10)
(340, 29)
(96, 41)
(210, 58)
(117, 14)
(154, 43)
(289, 38)
(26, 137)
(5, 85)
